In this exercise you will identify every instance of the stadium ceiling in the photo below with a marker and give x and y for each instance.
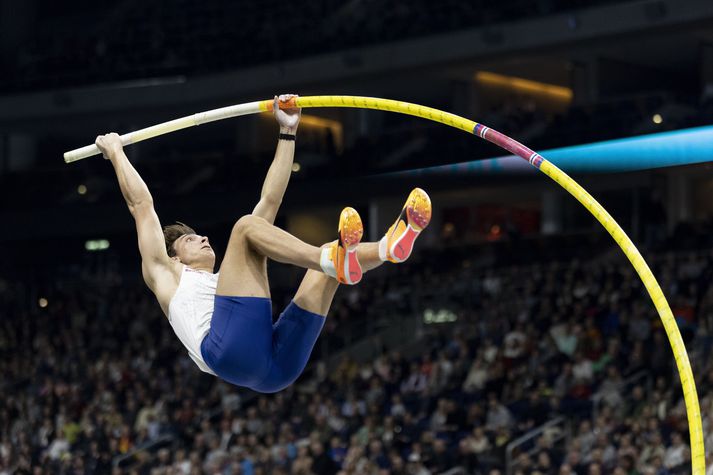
(542, 49)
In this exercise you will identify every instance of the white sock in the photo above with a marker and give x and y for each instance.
(325, 262)
(382, 249)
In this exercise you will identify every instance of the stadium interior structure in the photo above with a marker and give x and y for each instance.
(516, 340)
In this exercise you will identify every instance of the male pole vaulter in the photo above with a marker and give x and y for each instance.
(225, 320)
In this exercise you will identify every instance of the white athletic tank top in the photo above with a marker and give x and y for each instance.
(191, 310)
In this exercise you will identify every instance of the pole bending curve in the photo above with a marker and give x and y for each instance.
(627, 246)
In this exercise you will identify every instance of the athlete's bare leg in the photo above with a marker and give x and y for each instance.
(317, 289)
(244, 269)
(253, 239)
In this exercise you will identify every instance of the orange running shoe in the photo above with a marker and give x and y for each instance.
(414, 217)
(341, 254)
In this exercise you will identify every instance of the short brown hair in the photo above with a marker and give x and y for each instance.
(173, 232)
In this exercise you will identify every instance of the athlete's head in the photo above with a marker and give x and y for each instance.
(187, 247)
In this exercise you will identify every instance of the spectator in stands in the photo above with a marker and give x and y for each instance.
(88, 406)
(677, 453)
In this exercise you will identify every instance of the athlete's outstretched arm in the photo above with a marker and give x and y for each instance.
(273, 189)
(154, 258)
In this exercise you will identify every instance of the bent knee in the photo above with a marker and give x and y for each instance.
(245, 224)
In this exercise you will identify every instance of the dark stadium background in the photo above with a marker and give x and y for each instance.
(516, 340)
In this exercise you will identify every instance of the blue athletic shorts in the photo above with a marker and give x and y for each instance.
(245, 348)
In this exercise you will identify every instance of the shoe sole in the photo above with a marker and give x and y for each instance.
(401, 248)
(419, 209)
(418, 215)
(351, 230)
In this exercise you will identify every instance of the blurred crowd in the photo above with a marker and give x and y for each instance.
(135, 40)
(92, 374)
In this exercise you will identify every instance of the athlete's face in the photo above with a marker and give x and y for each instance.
(194, 250)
